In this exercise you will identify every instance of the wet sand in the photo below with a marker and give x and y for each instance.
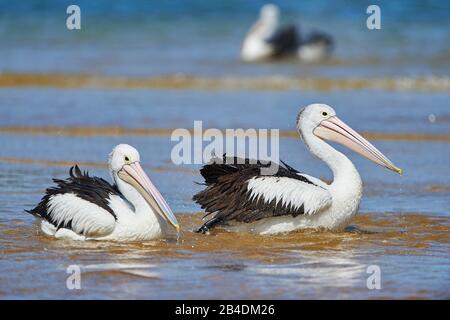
(167, 132)
(194, 82)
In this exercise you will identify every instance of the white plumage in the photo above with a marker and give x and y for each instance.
(290, 192)
(256, 46)
(86, 217)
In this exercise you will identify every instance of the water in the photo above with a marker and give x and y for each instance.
(204, 37)
(136, 72)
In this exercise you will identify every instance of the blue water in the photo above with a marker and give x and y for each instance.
(364, 110)
(204, 37)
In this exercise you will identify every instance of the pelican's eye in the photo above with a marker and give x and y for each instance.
(324, 113)
(127, 159)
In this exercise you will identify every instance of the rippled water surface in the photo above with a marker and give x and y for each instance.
(136, 72)
(403, 226)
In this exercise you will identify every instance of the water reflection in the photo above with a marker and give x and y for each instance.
(313, 270)
(141, 270)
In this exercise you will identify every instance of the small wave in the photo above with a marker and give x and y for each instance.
(167, 132)
(231, 83)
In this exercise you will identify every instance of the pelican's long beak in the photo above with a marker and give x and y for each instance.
(134, 174)
(334, 129)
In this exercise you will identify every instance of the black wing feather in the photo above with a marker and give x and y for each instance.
(285, 40)
(227, 193)
(92, 189)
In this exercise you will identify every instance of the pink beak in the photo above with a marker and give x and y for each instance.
(134, 174)
(334, 129)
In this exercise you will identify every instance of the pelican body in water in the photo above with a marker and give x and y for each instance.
(90, 208)
(267, 40)
(240, 197)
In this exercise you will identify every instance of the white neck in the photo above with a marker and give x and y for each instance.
(141, 208)
(266, 27)
(346, 179)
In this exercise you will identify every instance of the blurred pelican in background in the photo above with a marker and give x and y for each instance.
(267, 40)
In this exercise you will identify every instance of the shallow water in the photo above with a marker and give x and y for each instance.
(132, 75)
(403, 228)
(233, 266)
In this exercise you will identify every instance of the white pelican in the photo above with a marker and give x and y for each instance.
(239, 197)
(266, 40)
(89, 208)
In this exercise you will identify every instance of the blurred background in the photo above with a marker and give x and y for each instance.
(138, 69)
(142, 38)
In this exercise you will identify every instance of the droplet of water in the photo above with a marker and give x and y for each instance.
(431, 118)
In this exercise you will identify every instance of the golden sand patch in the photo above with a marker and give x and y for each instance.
(167, 132)
(182, 81)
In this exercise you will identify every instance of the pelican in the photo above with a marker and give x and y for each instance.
(242, 198)
(267, 40)
(89, 208)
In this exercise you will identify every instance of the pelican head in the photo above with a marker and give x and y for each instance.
(269, 12)
(321, 121)
(124, 163)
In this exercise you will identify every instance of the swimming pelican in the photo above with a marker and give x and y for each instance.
(89, 208)
(267, 40)
(240, 197)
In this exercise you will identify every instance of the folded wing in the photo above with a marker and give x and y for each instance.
(80, 204)
(238, 191)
